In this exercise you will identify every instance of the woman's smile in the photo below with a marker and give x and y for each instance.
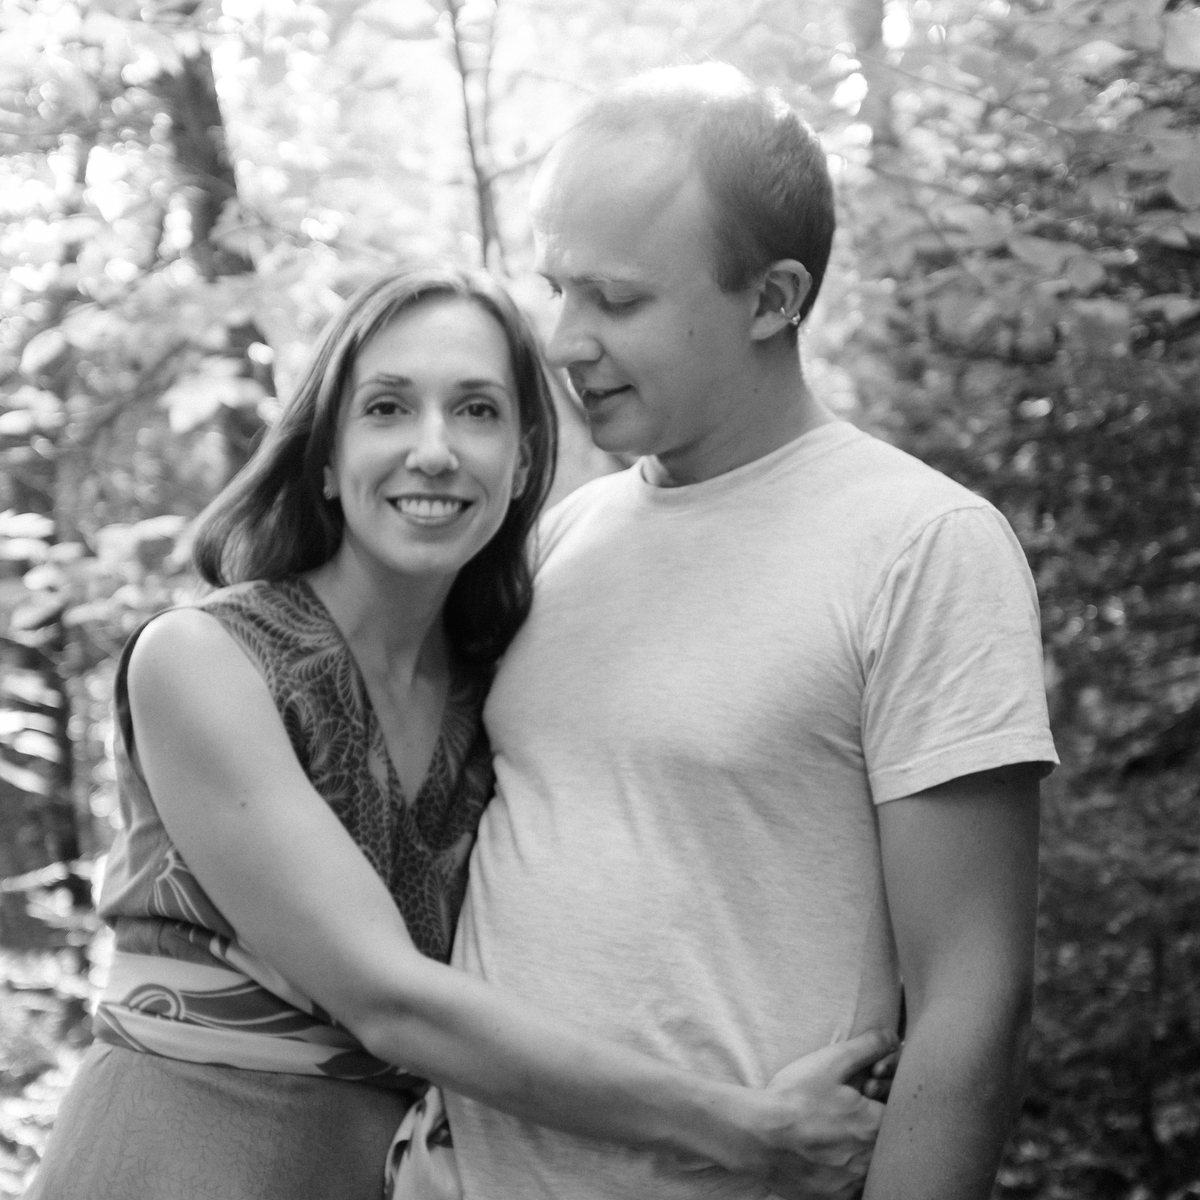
(430, 509)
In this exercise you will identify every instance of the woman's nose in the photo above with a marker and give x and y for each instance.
(432, 453)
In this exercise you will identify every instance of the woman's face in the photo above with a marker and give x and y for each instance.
(428, 449)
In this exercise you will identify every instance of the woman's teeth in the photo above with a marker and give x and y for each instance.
(428, 508)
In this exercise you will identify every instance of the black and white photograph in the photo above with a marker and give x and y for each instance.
(600, 599)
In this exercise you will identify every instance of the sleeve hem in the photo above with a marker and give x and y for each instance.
(982, 754)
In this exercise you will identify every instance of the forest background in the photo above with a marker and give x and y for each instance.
(190, 187)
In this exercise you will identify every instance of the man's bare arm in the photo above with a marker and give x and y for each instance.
(960, 864)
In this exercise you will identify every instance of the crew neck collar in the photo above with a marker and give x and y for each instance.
(808, 445)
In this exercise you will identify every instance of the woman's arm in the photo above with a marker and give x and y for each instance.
(285, 873)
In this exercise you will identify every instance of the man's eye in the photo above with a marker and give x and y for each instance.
(618, 304)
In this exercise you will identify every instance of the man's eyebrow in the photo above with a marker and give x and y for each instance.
(593, 280)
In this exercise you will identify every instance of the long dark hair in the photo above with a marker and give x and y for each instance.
(272, 520)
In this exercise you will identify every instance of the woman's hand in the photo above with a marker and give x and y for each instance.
(876, 1083)
(826, 1133)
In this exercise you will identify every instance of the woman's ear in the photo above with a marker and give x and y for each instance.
(521, 474)
(781, 293)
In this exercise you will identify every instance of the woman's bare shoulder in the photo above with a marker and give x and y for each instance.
(188, 644)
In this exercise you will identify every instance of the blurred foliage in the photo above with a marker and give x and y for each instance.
(189, 188)
(1026, 218)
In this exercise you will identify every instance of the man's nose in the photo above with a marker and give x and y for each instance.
(571, 340)
(432, 453)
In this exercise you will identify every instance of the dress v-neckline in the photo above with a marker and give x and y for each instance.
(375, 726)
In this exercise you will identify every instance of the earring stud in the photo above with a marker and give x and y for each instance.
(793, 320)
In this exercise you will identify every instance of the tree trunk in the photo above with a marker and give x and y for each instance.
(189, 98)
(864, 21)
(206, 175)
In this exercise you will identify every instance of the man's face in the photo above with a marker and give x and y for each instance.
(656, 352)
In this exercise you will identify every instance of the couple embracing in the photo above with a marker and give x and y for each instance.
(747, 734)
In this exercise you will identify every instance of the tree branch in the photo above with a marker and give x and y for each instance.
(485, 207)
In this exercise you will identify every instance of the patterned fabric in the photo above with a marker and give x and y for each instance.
(421, 1164)
(182, 985)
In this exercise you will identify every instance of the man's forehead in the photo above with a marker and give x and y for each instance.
(609, 194)
(633, 162)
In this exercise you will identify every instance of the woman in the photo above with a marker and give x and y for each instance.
(302, 767)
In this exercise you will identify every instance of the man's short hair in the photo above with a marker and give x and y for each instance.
(761, 164)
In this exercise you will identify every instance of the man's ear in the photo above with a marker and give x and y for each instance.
(782, 290)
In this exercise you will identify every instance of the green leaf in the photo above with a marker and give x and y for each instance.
(1174, 308)
(23, 779)
(30, 688)
(1085, 273)
(33, 744)
(1181, 48)
(1165, 228)
(43, 353)
(25, 525)
(1134, 23)
(17, 424)
(1184, 183)
(1098, 58)
(196, 399)
(1100, 326)
(1050, 255)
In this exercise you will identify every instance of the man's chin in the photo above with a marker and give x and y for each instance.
(625, 450)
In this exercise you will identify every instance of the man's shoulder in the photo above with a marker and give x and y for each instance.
(885, 492)
(876, 465)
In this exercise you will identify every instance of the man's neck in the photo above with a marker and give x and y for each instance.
(768, 418)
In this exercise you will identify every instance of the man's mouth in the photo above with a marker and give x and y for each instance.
(430, 510)
(589, 397)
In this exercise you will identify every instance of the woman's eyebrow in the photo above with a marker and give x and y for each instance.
(383, 377)
(482, 382)
(406, 381)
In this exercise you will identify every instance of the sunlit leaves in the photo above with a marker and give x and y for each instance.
(1038, 340)
(1181, 47)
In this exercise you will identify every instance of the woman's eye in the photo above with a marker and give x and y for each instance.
(382, 406)
(481, 410)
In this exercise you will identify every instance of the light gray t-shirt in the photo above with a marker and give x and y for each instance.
(715, 687)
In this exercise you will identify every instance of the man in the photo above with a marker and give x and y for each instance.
(771, 738)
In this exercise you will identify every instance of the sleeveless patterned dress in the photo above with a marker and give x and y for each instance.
(184, 993)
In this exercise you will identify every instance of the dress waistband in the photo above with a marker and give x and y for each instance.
(209, 1014)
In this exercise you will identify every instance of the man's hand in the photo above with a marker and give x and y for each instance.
(823, 1147)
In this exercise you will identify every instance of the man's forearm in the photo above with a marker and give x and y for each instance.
(952, 1103)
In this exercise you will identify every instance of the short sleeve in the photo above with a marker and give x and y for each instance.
(953, 659)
